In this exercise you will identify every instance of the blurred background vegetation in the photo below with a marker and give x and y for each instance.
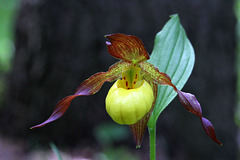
(47, 48)
(8, 11)
(237, 13)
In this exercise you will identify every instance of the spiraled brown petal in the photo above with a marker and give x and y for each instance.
(190, 103)
(88, 87)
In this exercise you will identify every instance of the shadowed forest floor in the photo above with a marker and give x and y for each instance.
(11, 149)
(16, 150)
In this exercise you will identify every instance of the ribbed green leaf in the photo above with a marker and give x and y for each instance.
(172, 54)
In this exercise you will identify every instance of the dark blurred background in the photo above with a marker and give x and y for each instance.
(47, 48)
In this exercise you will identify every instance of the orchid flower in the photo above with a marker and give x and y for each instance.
(132, 97)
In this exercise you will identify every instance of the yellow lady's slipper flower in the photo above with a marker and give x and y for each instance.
(132, 97)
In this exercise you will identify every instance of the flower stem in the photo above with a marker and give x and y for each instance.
(152, 137)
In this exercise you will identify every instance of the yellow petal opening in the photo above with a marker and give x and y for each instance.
(127, 106)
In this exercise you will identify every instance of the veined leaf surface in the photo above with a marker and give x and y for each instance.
(173, 54)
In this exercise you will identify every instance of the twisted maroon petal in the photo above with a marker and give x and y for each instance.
(59, 110)
(208, 127)
(188, 100)
(88, 87)
(190, 103)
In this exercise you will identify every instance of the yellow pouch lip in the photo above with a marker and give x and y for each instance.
(127, 106)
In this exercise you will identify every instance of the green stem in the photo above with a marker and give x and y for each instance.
(152, 137)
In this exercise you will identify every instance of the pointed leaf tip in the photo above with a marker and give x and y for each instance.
(173, 16)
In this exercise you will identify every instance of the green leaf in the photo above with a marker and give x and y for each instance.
(56, 151)
(173, 54)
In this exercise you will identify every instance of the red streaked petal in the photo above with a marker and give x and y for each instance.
(93, 84)
(126, 47)
(190, 103)
(88, 87)
(151, 72)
